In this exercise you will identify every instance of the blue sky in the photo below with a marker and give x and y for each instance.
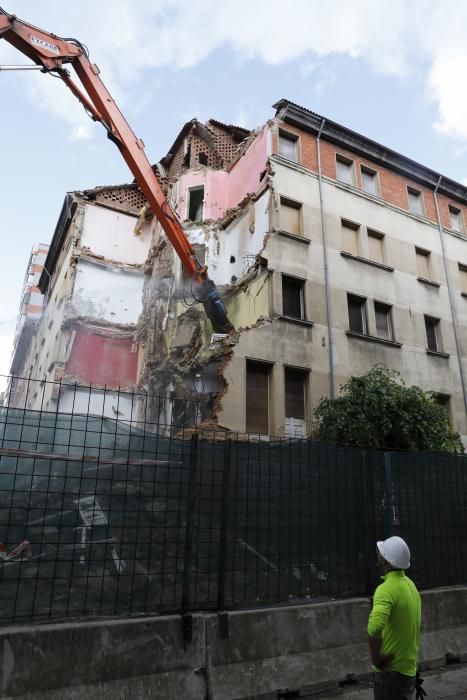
(395, 73)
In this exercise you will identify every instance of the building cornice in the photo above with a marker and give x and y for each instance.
(311, 122)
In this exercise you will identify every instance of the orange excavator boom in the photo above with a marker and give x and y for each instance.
(52, 54)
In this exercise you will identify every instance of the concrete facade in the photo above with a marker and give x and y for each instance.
(246, 655)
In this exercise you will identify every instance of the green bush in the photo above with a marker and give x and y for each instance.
(379, 410)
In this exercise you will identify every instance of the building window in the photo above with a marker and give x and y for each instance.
(288, 145)
(344, 170)
(463, 277)
(432, 333)
(291, 216)
(369, 180)
(415, 201)
(295, 382)
(455, 216)
(350, 236)
(293, 304)
(258, 377)
(423, 263)
(357, 314)
(195, 203)
(375, 246)
(444, 400)
(383, 321)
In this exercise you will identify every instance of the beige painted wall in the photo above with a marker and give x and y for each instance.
(284, 343)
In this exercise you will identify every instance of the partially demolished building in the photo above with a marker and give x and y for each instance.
(30, 311)
(332, 253)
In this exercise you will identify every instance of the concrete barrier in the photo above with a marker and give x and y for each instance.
(118, 659)
(245, 654)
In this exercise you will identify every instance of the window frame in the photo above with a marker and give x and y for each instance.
(462, 268)
(345, 160)
(195, 188)
(413, 191)
(389, 317)
(457, 211)
(300, 283)
(423, 252)
(289, 136)
(348, 224)
(369, 171)
(437, 332)
(268, 366)
(373, 233)
(305, 376)
(363, 301)
(293, 204)
(444, 400)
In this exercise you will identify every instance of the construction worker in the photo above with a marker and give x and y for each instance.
(394, 625)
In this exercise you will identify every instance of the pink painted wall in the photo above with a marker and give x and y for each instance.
(99, 359)
(244, 176)
(224, 190)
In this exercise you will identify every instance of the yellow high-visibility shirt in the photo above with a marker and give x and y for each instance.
(395, 618)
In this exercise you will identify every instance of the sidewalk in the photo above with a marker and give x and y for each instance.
(448, 683)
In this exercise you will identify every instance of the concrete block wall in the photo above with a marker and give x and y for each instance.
(245, 655)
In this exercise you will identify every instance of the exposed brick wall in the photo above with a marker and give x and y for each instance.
(444, 203)
(175, 167)
(393, 187)
(226, 146)
(128, 199)
(307, 146)
(224, 152)
(197, 146)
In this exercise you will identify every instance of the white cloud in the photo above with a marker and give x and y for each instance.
(127, 39)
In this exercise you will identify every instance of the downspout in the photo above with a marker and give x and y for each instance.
(451, 298)
(332, 387)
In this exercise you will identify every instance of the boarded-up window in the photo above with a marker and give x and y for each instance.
(295, 385)
(350, 234)
(463, 277)
(423, 263)
(432, 333)
(291, 216)
(357, 314)
(415, 201)
(344, 170)
(288, 145)
(375, 246)
(383, 321)
(257, 397)
(455, 216)
(369, 180)
(292, 297)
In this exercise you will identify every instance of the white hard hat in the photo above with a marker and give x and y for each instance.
(395, 551)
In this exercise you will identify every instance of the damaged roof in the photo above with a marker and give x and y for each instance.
(236, 133)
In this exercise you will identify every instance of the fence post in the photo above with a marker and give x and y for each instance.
(188, 548)
(366, 521)
(388, 489)
(224, 521)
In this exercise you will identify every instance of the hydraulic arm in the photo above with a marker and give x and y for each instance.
(51, 54)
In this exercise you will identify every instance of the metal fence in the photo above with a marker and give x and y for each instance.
(101, 515)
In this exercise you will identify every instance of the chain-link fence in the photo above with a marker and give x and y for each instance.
(104, 514)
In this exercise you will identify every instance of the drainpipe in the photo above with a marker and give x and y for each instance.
(451, 298)
(332, 387)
